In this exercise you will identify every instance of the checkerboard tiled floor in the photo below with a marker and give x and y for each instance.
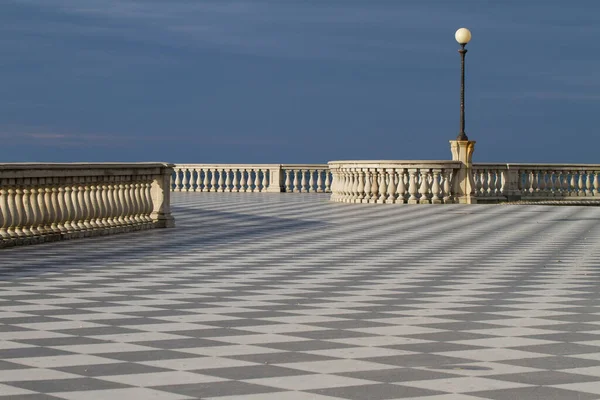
(291, 297)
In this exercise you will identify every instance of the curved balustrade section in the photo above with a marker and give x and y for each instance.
(536, 182)
(245, 178)
(47, 202)
(399, 182)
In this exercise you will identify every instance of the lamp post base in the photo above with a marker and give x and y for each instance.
(463, 184)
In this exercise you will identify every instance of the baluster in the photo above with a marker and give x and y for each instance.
(143, 199)
(572, 184)
(19, 211)
(110, 202)
(205, 181)
(119, 202)
(532, 182)
(35, 207)
(87, 198)
(243, 186)
(12, 210)
(265, 180)
(491, 183)
(256, 186)
(227, 173)
(195, 179)
(559, 183)
(221, 181)
(551, 184)
(27, 212)
(75, 205)
(484, 182)
(391, 187)
(130, 191)
(327, 181)
(185, 181)
(41, 218)
(149, 203)
(93, 204)
(375, 185)
(360, 188)
(497, 190)
(48, 200)
(68, 210)
(382, 186)
(102, 196)
(424, 189)
(128, 203)
(235, 181)
(213, 180)
(477, 183)
(311, 182)
(412, 187)
(5, 217)
(178, 186)
(320, 180)
(588, 183)
(401, 186)
(436, 188)
(303, 182)
(353, 185)
(596, 184)
(134, 197)
(62, 207)
(541, 183)
(580, 184)
(288, 183)
(502, 189)
(446, 174)
(296, 182)
(343, 184)
(350, 184)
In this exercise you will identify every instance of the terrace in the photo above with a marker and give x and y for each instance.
(292, 296)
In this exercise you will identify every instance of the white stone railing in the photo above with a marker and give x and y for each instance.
(274, 178)
(307, 178)
(536, 182)
(410, 182)
(47, 202)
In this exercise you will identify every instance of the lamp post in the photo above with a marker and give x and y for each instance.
(462, 36)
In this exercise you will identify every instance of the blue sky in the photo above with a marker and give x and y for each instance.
(297, 81)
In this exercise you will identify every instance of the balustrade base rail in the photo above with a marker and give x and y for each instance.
(55, 237)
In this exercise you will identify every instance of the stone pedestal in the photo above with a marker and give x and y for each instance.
(463, 184)
(275, 180)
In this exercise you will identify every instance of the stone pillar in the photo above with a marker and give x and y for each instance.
(513, 193)
(161, 198)
(463, 184)
(276, 184)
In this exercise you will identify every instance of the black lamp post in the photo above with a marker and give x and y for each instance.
(463, 36)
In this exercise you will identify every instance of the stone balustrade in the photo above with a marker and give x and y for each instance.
(274, 178)
(307, 178)
(47, 202)
(536, 182)
(402, 182)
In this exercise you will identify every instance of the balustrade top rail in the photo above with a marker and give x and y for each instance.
(395, 164)
(41, 170)
(539, 166)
